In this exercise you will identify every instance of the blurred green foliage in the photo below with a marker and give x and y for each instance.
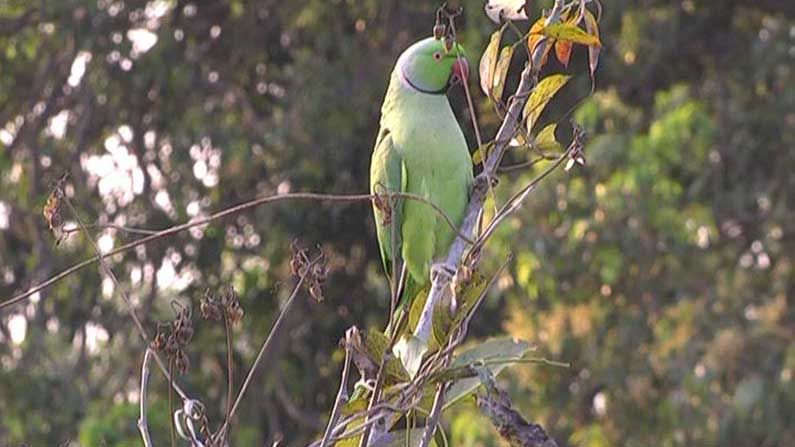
(663, 270)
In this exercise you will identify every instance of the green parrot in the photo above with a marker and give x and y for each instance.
(420, 149)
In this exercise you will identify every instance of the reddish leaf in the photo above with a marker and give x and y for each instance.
(563, 52)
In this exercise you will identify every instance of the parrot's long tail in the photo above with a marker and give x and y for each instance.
(407, 292)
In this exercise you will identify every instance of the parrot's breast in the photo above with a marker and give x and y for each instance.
(438, 167)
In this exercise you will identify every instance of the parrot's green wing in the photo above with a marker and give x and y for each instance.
(388, 174)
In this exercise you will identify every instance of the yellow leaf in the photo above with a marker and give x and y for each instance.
(571, 33)
(501, 72)
(540, 96)
(535, 34)
(477, 157)
(488, 61)
(481, 153)
(545, 141)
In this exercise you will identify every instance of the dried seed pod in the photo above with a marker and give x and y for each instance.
(183, 334)
(234, 312)
(159, 342)
(172, 347)
(52, 210)
(211, 311)
(228, 295)
(299, 261)
(316, 291)
(181, 361)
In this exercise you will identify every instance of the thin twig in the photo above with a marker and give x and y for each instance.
(225, 213)
(171, 401)
(265, 345)
(471, 106)
(229, 371)
(518, 198)
(379, 381)
(470, 103)
(433, 418)
(375, 397)
(342, 398)
(524, 165)
(121, 228)
(117, 287)
(143, 425)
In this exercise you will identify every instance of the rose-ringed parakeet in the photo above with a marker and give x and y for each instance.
(420, 149)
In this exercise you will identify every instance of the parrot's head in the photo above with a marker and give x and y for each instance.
(433, 65)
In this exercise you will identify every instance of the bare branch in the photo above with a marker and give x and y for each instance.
(496, 405)
(143, 425)
(121, 228)
(225, 213)
(229, 369)
(265, 345)
(342, 398)
(130, 308)
(433, 418)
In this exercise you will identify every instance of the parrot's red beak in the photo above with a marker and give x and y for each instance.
(460, 71)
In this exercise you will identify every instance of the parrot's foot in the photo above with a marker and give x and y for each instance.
(442, 269)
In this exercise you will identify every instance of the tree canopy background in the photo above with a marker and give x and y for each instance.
(663, 270)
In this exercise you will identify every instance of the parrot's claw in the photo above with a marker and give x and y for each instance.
(443, 269)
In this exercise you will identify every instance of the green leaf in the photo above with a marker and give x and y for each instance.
(441, 324)
(469, 294)
(353, 441)
(417, 304)
(505, 348)
(488, 62)
(376, 343)
(358, 401)
(570, 32)
(501, 72)
(546, 142)
(540, 97)
(399, 438)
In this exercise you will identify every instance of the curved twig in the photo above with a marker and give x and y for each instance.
(143, 425)
(342, 397)
(219, 215)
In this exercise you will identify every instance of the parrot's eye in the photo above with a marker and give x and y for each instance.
(437, 56)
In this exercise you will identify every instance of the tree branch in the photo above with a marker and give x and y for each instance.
(496, 404)
(342, 398)
(265, 345)
(219, 215)
(143, 425)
